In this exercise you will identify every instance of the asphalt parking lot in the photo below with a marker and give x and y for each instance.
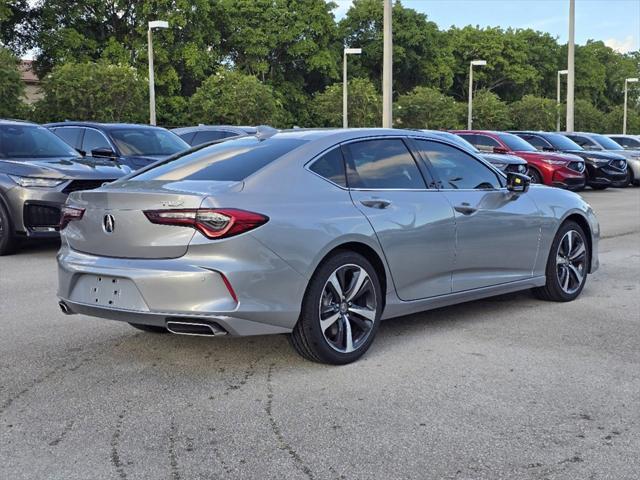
(510, 387)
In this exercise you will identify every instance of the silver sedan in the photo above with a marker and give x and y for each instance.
(319, 234)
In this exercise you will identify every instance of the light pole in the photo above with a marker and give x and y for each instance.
(152, 88)
(387, 66)
(477, 63)
(345, 109)
(560, 72)
(627, 81)
(571, 75)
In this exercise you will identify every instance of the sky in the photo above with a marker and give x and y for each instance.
(615, 22)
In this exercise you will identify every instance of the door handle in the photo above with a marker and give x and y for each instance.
(376, 203)
(465, 209)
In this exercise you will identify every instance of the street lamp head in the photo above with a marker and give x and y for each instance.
(631, 80)
(563, 72)
(352, 51)
(478, 62)
(158, 24)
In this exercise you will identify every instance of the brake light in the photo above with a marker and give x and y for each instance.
(69, 214)
(212, 223)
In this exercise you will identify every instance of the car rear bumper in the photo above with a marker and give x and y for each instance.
(200, 286)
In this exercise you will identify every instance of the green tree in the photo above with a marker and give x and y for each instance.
(421, 53)
(235, 98)
(489, 112)
(11, 86)
(533, 113)
(613, 121)
(94, 91)
(588, 118)
(365, 105)
(426, 108)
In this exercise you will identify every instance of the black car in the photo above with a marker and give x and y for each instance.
(211, 133)
(604, 169)
(37, 172)
(134, 145)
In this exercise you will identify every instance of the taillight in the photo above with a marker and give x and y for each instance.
(212, 223)
(69, 214)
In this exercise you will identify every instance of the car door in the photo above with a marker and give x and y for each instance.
(497, 231)
(413, 223)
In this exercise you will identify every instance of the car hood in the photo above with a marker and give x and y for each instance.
(503, 158)
(597, 154)
(81, 168)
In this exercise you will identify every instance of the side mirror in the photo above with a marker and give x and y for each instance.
(500, 150)
(104, 152)
(517, 182)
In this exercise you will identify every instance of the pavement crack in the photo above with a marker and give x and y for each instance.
(116, 461)
(173, 458)
(62, 434)
(282, 443)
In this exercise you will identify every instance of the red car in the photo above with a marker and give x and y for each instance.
(556, 169)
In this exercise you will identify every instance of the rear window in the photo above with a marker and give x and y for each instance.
(233, 160)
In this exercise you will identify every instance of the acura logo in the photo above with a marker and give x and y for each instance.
(108, 223)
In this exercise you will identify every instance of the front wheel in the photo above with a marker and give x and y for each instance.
(567, 265)
(535, 176)
(340, 311)
(7, 240)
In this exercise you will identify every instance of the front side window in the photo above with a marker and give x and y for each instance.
(515, 143)
(93, 140)
(456, 169)
(537, 142)
(233, 160)
(30, 141)
(560, 142)
(382, 164)
(486, 144)
(627, 142)
(147, 141)
(606, 143)
(331, 166)
(584, 142)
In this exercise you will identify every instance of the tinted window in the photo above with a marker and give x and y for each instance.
(606, 142)
(29, 141)
(331, 167)
(486, 144)
(210, 136)
(561, 142)
(71, 135)
(515, 143)
(537, 142)
(457, 169)
(147, 141)
(627, 142)
(93, 140)
(382, 164)
(187, 137)
(227, 161)
(584, 142)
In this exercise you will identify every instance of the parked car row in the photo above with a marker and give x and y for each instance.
(38, 169)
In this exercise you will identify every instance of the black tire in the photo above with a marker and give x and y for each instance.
(7, 239)
(149, 328)
(535, 176)
(553, 290)
(307, 337)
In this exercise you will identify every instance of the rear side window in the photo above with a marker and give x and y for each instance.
(70, 135)
(331, 166)
(384, 163)
(233, 160)
(210, 136)
(457, 169)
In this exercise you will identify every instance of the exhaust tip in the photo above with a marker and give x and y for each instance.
(64, 308)
(180, 327)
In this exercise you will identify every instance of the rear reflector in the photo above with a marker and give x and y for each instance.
(70, 214)
(212, 223)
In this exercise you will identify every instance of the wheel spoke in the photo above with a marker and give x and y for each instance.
(565, 285)
(359, 282)
(361, 323)
(333, 280)
(579, 251)
(348, 345)
(363, 312)
(327, 322)
(570, 242)
(576, 273)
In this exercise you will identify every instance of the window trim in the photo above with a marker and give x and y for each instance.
(501, 176)
(307, 166)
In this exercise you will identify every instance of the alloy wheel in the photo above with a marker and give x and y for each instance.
(571, 261)
(348, 308)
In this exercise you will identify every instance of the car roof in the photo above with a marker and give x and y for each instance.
(11, 121)
(343, 134)
(228, 128)
(99, 125)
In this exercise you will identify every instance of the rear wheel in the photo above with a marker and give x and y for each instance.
(567, 265)
(340, 311)
(149, 328)
(7, 240)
